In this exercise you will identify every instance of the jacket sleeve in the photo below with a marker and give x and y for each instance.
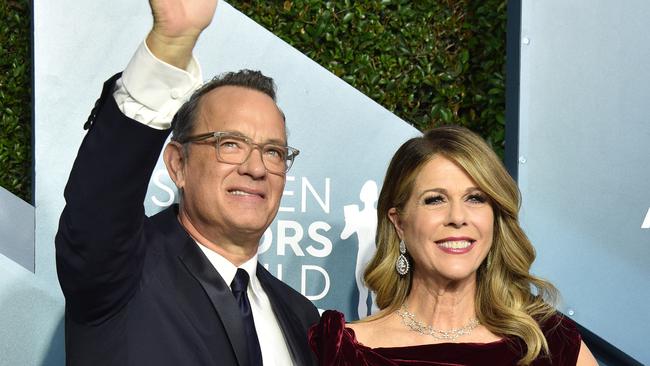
(100, 243)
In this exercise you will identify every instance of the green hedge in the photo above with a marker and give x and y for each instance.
(15, 98)
(431, 62)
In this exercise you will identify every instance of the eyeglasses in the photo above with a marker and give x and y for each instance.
(236, 149)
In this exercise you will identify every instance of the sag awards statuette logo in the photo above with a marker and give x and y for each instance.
(363, 222)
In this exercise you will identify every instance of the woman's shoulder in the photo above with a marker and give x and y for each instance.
(333, 324)
(329, 331)
(330, 339)
(563, 339)
(330, 320)
(558, 325)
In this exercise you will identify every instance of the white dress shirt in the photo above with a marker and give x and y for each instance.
(150, 92)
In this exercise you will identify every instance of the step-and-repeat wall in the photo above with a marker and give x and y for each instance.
(584, 160)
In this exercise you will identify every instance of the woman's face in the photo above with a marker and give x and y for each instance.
(447, 223)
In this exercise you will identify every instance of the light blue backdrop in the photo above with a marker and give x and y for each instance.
(584, 167)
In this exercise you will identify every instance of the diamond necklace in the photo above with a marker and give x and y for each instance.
(408, 319)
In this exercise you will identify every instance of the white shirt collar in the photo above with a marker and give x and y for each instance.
(227, 270)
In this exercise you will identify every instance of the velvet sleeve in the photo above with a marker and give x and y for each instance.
(335, 345)
(563, 339)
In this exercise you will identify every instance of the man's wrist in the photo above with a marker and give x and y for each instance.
(176, 51)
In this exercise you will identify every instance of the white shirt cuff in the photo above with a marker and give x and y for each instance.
(151, 91)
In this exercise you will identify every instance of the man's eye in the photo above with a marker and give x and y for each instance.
(275, 152)
(433, 200)
(230, 144)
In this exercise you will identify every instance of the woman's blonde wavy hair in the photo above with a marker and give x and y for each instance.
(509, 300)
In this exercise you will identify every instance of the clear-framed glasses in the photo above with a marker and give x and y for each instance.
(236, 149)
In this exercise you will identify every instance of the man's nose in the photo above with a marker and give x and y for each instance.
(254, 164)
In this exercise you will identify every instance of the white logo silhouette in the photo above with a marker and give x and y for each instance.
(363, 222)
(646, 221)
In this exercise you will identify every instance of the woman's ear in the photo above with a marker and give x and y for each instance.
(174, 157)
(393, 216)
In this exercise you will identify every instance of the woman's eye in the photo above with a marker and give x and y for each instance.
(477, 198)
(433, 200)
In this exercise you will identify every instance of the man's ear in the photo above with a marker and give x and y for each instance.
(174, 157)
(393, 216)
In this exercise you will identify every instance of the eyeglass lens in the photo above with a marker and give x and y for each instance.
(236, 150)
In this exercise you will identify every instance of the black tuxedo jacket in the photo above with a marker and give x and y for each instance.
(138, 290)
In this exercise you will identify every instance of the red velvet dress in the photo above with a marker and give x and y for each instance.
(336, 345)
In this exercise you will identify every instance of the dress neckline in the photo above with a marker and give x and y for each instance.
(353, 336)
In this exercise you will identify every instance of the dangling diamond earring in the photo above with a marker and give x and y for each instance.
(402, 265)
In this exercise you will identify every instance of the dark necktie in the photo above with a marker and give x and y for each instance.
(238, 286)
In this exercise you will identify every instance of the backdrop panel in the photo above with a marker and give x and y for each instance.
(17, 229)
(584, 157)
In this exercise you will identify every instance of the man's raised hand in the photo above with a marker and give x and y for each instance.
(176, 28)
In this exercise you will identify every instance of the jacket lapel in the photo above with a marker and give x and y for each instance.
(214, 286)
(291, 327)
(220, 296)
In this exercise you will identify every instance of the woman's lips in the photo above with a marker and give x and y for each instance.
(455, 246)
